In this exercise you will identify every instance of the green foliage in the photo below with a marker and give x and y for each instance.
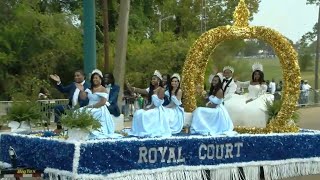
(34, 44)
(163, 52)
(305, 61)
(201, 101)
(80, 119)
(28, 111)
(274, 107)
(317, 2)
(38, 38)
(29, 89)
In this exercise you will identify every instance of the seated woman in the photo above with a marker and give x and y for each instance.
(250, 109)
(97, 95)
(213, 119)
(151, 122)
(173, 110)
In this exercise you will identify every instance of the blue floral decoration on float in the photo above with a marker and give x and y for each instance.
(110, 158)
(38, 153)
(107, 157)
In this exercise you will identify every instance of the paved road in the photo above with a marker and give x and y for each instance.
(309, 118)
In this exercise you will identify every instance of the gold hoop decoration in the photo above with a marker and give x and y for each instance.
(197, 60)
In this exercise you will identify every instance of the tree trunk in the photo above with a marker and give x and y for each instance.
(107, 64)
(121, 47)
(316, 77)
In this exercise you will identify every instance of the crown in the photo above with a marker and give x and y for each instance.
(229, 68)
(257, 66)
(220, 76)
(158, 74)
(97, 71)
(176, 75)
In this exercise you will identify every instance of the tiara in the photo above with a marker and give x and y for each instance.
(158, 74)
(220, 76)
(228, 68)
(176, 75)
(97, 71)
(257, 66)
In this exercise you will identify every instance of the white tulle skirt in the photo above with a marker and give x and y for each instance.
(211, 121)
(251, 114)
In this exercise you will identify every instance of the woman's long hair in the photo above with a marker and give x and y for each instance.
(216, 88)
(168, 82)
(91, 80)
(171, 88)
(151, 89)
(261, 78)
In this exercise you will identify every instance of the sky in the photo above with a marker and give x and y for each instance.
(292, 18)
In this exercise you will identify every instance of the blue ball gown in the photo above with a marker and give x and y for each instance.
(152, 122)
(212, 121)
(102, 114)
(175, 115)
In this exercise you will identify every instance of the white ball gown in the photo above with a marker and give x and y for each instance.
(152, 122)
(212, 121)
(251, 114)
(102, 114)
(175, 115)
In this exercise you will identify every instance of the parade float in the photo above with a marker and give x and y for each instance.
(278, 151)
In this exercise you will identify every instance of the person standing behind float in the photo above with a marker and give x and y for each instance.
(272, 86)
(305, 91)
(113, 91)
(174, 111)
(151, 122)
(229, 87)
(213, 119)
(73, 93)
(166, 85)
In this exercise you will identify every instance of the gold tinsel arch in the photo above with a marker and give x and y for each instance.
(197, 59)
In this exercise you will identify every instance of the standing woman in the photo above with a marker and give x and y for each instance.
(174, 111)
(98, 96)
(213, 119)
(166, 84)
(152, 122)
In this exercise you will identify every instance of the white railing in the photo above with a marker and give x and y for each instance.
(45, 105)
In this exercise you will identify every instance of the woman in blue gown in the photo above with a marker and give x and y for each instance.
(152, 122)
(213, 119)
(98, 96)
(174, 111)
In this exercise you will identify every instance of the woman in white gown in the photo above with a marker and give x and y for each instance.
(152, 122)
(249, 110)
(173, 110)
(98, 96)
(213, 119)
